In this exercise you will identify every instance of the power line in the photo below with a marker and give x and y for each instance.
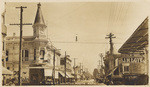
(83, 42)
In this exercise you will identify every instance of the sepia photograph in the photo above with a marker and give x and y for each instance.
(75, 43)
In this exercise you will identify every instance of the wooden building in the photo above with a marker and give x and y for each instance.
(134, 56)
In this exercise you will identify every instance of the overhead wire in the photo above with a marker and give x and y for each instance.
(83, 42)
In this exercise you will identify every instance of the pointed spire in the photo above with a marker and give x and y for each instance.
(39, 17)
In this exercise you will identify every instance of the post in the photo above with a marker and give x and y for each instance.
(101, 55)
(74, 68)
(65, 66)
(110, 36)
(53, 74)
(54, 68)
(20, 52)
(80, 68)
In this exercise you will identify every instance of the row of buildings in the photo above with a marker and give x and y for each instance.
(42, 63)
(130, 65)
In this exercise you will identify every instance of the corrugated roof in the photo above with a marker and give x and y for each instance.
(138, 40)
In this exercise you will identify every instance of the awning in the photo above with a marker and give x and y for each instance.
(69, 75)
(63, 74)
(6, 71)
(112, 71)
(47, 72)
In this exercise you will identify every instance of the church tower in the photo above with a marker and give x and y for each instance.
(39, 34)
(39, 24)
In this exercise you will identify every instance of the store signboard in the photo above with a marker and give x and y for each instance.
(132, 60)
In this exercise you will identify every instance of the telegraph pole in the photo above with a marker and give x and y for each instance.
(99, 62)
(54, 67)
(65, 66)
(20, 58)
(81, 68)
(101, 55)
(110, 36)
(74, 67)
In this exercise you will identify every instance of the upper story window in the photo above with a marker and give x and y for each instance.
(34, 54)
(126, 68)
(25, 55)
(3, 46)
(62, 62)
(7, 54)
(42, 53)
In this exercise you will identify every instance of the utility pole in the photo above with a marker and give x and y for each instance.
(101, 55)
(80, 68)
(74, 68)
(110, 36)
(99, 62)
(20, 58)
(54, 67)
(65, 66)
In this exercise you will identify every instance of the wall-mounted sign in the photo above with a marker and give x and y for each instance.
(133, 60)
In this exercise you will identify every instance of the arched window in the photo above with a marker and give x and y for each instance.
(7, 54)
(42, 53)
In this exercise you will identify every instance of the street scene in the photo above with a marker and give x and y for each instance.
(74, 43)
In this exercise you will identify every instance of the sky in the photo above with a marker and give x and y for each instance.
(91, 21)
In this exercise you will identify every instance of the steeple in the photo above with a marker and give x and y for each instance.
(39, 17)
(39, 24)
